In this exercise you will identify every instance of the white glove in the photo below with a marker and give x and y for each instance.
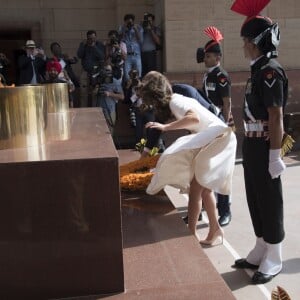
(276, 164)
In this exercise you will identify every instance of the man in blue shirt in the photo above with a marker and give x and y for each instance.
(151, 41)
(109, 93)
(132, 35)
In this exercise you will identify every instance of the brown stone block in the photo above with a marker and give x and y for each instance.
(60, 233)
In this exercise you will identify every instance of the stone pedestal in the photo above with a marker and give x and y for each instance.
(60, 233)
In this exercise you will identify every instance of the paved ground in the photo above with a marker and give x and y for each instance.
(239, 237)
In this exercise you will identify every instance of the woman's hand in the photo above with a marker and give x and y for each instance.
(155, 125)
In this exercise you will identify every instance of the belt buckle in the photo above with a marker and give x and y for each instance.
(253, 126)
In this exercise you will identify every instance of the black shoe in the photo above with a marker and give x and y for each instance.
(261, 278)
(243, 264)
(225, 219)
(186, 219)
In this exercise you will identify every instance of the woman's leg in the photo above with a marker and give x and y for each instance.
(194, 206)
(209, 202)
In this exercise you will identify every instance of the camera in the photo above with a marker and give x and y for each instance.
(132, 116)
(70, 60)
(134, 77)
(114, 41)
(146, 22)
(133, 74)
(116, 57)
(101, 75)
(130, 24)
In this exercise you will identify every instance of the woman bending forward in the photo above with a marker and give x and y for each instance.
(200, 163)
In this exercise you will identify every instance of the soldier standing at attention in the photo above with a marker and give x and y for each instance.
(217, 89)
(265, 98)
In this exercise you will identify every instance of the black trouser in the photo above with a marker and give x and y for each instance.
(90, 89)
(264, 194)
(149, 62)
(223, 204)
(142, 118)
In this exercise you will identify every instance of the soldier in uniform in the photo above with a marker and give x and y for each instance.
(265, 98)
(217, 88)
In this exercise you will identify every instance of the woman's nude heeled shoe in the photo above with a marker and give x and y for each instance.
(218, 234)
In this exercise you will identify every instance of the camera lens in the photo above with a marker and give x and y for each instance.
(132, 117)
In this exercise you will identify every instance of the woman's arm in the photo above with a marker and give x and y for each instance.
(189, 119)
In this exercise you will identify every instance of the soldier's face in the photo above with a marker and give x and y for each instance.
(249, 48)
(211, 59)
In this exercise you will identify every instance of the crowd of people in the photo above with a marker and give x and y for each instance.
(34, 67)
(124, 68)
(131, 47)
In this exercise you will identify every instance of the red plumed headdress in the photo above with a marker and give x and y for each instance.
(249, 8)
(216, 36)
(258, 28)
(254, 23)
(213, 33)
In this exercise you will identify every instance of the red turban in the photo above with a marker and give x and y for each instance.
(53, 64)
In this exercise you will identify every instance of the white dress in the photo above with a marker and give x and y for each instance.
(208, 153)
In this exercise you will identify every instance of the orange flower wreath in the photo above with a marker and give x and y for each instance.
(136, 175)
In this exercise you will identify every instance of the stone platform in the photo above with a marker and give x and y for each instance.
(161, 258)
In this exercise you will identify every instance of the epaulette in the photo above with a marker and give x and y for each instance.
(221, 73)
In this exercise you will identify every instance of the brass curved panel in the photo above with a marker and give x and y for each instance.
(59, 126)
(57, 97)
(23, 116)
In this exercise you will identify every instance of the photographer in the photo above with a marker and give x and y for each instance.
(151, 42)
(67, 74)
(115, 54)
(109, 93)
(139, 116)
(91, 52)
(32, 64)
(132, 35)
(132, 99)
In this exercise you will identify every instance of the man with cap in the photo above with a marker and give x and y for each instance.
(265, 98)
(32, 65)
(217, 89)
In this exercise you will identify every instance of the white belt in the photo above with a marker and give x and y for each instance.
(254, 126)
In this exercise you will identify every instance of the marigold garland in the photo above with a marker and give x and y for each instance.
(136, 175)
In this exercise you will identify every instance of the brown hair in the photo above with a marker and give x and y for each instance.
(156, 92)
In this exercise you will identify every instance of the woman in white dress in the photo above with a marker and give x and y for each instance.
(199, 163)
